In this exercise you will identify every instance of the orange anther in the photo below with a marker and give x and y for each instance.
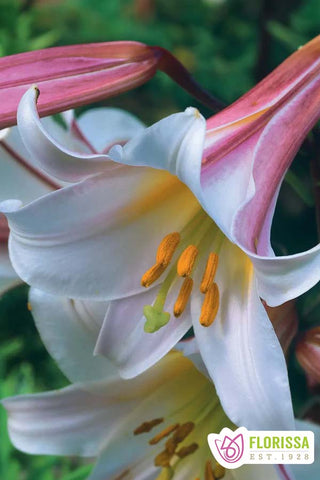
(167, 248)
(209, 273)
(163, 434)
(183, 297)
(151, 275)
(187, 260)
(210, 306)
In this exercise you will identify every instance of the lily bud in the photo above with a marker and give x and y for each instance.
(308, 354)
(76, 75)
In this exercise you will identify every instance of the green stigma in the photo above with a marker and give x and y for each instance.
(156, 318)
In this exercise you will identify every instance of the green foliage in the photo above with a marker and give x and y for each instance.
(22, 378)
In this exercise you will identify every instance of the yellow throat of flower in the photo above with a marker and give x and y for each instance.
(191, 244)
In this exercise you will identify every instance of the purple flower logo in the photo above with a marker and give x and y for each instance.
(230, 449)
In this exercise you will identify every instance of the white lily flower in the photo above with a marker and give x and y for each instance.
(154, 426)
(96, 238)
(122, 224)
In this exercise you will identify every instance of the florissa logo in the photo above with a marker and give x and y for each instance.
(233, 449)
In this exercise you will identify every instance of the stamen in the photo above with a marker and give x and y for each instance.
(163, 434)
(208, 472)
(171, 445)
(186, 261)
(163, 459)
(183, 431)
(219, 471)
(167, 248)
(151, 275)
(185, 451)
(166, 474)
(147, 426)
(183, 297)
(209, 273)
(210, 306)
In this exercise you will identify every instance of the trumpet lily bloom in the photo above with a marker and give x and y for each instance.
(119, 225)
(154, 426)
(76, 75)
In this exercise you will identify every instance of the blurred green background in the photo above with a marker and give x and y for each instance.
(228, 45)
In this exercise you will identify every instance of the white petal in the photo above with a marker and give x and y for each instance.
(123, 340)
(87, 418)
(19, 176)
(69, 329)
(96, 239)
(72, 421)
(132, 458)
(241, 350)
(175, 143)
(53, 157)
(104, 127)
(8, 276)
(280, 279)
(257, 472)
(311, 471)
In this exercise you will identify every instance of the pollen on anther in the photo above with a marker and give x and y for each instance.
(210, 306)
(183, 297)
(209, 272)
(147, 426)
(151, 275)
(171, 445)
(167, 431)
(183, 431)
(187, 260)
(163, 459)
(167, 248)
(188, 450)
